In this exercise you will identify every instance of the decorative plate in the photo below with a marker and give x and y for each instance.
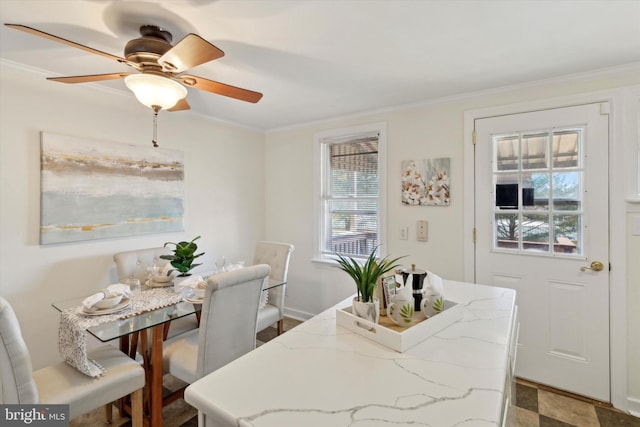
(152, 284)
(98, 312)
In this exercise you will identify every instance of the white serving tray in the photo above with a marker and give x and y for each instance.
(395, 337)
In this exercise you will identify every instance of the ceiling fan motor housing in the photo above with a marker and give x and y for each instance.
(147, 49)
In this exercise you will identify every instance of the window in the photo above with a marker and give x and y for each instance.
(545, 216)
(349, 191)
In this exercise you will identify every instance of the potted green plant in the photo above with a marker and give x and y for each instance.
(184, 253)
(366, 276)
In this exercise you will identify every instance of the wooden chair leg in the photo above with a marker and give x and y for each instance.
(280, 326)
(108, 412)
(136, 408)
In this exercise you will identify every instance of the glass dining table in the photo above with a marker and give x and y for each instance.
(149, 329)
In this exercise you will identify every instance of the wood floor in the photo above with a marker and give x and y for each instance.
(536, 406)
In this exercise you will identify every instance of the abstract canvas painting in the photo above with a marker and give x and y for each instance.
(92, 189)
(426, 182)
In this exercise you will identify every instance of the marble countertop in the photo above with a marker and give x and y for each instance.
(320, 374)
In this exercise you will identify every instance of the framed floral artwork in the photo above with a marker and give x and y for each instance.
(426, 182)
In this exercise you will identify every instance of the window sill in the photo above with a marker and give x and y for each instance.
(325, 261)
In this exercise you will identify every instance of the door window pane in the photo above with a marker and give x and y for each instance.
(566, 191)
(507, 230)
(535, 151)
(506, 153)
(538, 184)
(535, 232)
(568, 234)
(537, 177)
(566, 149)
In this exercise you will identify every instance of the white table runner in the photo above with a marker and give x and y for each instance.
(72, 338)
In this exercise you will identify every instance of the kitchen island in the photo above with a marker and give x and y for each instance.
(320, 374)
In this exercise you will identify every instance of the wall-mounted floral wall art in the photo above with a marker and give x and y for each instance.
(93, 189)
(426, 182)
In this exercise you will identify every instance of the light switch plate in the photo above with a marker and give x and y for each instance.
(404, 233)
(422, 230)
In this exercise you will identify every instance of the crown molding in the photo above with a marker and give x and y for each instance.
(582, 76)
(633, 67)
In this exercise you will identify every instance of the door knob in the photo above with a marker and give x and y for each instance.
(595, 266)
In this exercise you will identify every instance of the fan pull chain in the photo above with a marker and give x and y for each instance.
(155, 125)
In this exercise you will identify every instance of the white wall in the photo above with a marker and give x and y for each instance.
(417, 132)
(224, 193)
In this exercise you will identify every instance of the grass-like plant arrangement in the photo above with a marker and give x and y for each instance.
(367, 274)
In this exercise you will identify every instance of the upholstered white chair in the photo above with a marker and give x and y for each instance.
(277, 256)
(227, 325)
(134, 264)
(61, 383)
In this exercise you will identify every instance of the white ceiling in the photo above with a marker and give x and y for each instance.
(318, 59)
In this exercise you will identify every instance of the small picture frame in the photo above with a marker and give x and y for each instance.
(389, 288)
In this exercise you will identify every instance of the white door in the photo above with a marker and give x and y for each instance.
(542, 228)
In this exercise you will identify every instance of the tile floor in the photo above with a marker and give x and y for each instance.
(536, 406)
(540, 406)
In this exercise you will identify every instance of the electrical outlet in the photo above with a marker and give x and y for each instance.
(422, 228)
(404, 233)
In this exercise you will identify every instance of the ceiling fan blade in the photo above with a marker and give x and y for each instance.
(181, 105)
(189, 52)
(220, 88)
(64, 41)
(89, 78)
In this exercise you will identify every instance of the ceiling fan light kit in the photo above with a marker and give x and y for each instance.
(155, 91)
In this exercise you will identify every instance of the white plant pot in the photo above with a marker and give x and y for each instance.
(366, 310)
(176, 282)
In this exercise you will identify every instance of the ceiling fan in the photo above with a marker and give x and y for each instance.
(159, 82)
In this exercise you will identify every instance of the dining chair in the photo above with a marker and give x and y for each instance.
(61, 383)
(134, 264)
(277, 256)
(227, 326)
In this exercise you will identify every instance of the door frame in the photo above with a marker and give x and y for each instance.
(617, 218)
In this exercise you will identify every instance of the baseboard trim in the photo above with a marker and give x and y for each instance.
(634, 406)
(297, 314)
